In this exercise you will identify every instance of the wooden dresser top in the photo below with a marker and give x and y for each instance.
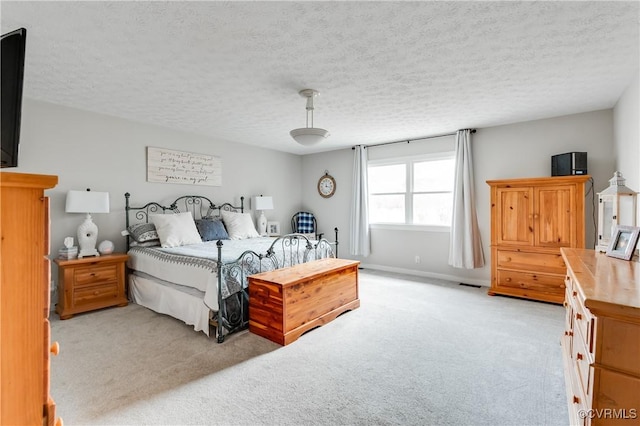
(607, 284)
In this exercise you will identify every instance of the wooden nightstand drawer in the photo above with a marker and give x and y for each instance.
(92, 275)
(90, 283)
(95, 294)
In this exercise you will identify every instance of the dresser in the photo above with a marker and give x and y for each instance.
(90, 283)
(531, 219)
(25, 334)
(601, 341)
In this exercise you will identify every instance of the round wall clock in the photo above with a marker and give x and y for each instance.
(327, 185)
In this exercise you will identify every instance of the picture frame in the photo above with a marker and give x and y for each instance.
(273, 229)
(623, 242)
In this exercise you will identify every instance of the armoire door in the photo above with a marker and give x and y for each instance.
(514, 216)
(554, 217)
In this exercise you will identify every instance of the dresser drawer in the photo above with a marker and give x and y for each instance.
(543, 283)
(582, 361)
(583, 321)
(95, 274)
(551, 263)
(95, 294)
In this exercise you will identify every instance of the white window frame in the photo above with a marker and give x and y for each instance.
(409, 162)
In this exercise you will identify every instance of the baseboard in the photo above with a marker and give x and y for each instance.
(467, 280)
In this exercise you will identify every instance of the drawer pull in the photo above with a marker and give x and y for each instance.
(55, 348)
(578, 316)
(95, 293)
(575, 293)
(508, 280)
(579, 356)
(576, 400)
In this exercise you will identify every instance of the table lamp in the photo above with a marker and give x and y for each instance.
(262, 203)
(87, 202)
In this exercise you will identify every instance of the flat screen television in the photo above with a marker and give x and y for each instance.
(12, 47)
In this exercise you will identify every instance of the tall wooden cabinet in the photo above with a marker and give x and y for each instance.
(25, 344)
(601, 341)
(531, 219)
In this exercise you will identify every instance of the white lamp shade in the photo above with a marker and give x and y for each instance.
(263, 203)
(308, 136)
(87, 202)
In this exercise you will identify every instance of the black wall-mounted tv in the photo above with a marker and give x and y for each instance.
(12, 47)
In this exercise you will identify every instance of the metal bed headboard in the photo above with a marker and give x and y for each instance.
(199, 206)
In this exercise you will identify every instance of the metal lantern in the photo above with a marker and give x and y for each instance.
(616, 206)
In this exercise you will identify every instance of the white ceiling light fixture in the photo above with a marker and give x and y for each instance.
(309, 135)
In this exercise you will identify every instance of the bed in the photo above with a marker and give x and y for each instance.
(201, 278)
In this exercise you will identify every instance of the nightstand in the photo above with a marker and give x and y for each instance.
(90, 283)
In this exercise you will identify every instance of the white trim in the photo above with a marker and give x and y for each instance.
(409, 227)
(446, 277)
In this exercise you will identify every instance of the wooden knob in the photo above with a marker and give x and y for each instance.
(508, 259)
(96, 293)
(59, 422)
(508, 280)
(578, 316)
(55, 348)
(579, 356)
(576, 400)
(575, 293)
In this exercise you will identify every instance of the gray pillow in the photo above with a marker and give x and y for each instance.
(211, 229)
(143, 232)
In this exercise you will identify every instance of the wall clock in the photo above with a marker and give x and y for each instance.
(326, 185)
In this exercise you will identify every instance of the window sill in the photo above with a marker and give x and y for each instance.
(405, 227)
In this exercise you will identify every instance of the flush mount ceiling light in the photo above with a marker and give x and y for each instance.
(309, 135)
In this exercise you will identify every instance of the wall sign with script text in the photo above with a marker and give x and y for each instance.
(188, 168)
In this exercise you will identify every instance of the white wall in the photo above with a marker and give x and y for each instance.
(88, 150)
(626, 132)
(511, 151)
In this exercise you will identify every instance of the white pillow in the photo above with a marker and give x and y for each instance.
(239, 225)
(176, 230)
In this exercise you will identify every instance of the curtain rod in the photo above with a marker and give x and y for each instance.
(412, 140)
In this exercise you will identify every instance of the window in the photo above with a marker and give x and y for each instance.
(412, 191)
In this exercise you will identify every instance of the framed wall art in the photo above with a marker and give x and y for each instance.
(623, 242)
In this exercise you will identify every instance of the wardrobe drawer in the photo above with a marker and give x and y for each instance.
(543, 283)
(551, 263)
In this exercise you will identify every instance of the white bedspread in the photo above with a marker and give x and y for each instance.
(194, 265)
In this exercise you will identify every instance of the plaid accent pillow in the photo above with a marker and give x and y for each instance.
(305, 223)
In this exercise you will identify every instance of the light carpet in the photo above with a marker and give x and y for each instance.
(418, 351)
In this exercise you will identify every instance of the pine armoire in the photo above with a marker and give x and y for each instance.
(531, 219)
(25, 340)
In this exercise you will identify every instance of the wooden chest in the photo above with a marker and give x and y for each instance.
(285, 303)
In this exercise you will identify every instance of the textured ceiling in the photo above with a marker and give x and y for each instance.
(386, 71)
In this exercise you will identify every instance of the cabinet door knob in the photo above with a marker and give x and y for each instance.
(55, 348)
(508, 280)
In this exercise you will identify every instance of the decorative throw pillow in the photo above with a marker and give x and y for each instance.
(239, 225)
(211, 229)
(176, 229)
(143, 232)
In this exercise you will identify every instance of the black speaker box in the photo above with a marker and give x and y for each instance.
(570, 163)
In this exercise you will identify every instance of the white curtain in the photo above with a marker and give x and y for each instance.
(360, 238)
(465, 248)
